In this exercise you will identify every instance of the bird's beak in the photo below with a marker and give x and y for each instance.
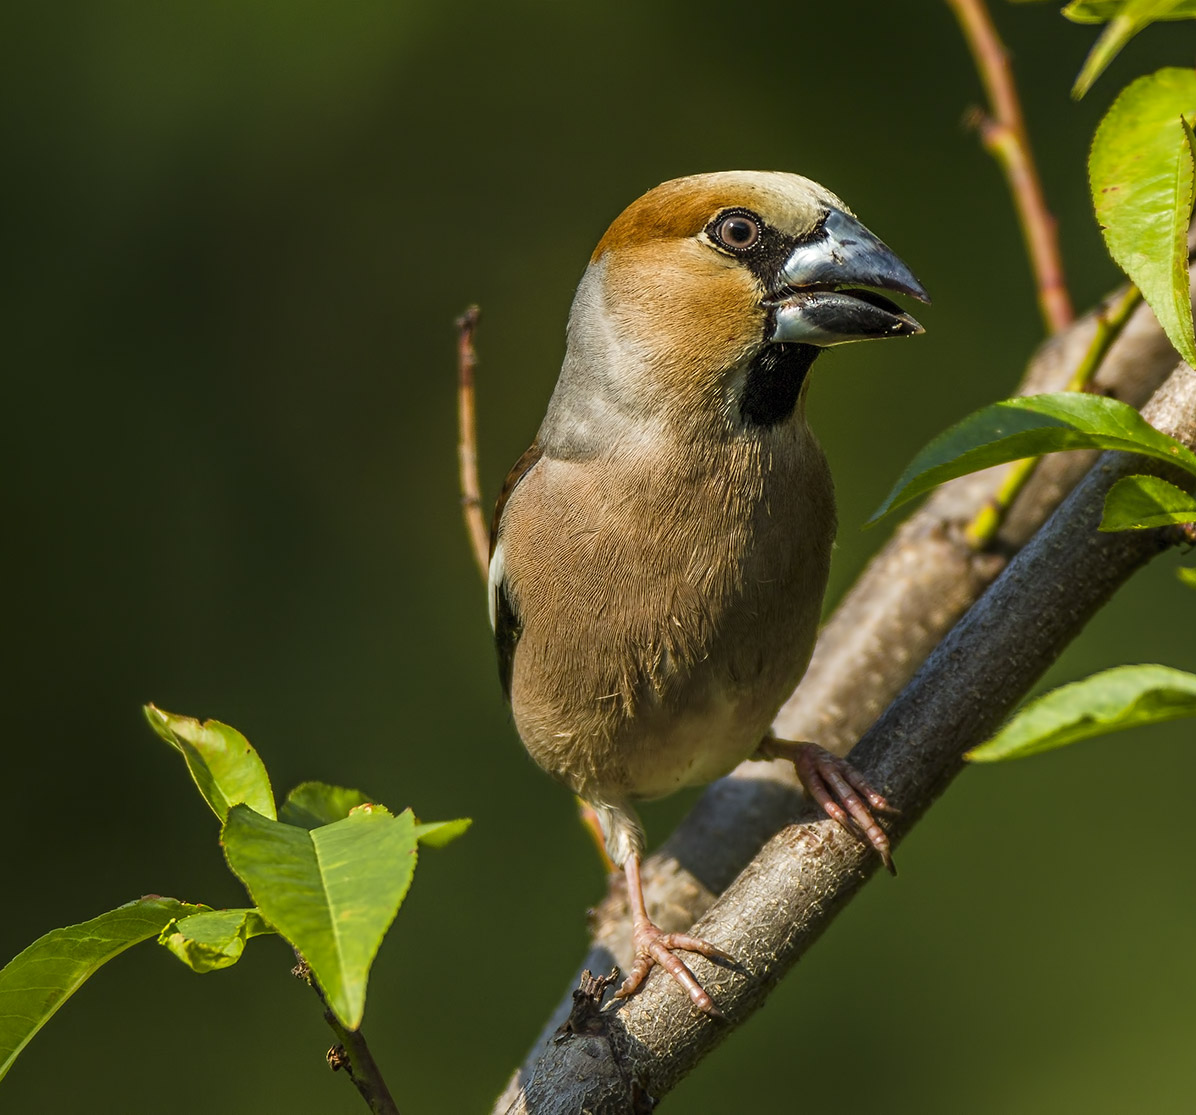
(817, 300)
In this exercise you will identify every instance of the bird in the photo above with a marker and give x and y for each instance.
(659, 554)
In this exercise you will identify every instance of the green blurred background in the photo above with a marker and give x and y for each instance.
(237, 235)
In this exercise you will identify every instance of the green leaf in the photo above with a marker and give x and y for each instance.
(331, 891)
(225, 768)
(1124, 697)
(1141, 173)
(1028, 427)
(1101, 11)
(1188, 576)
(1141, 502)
(36, 982)
(312, 804)
(213, 939)
(1130, 18)
(436, 834)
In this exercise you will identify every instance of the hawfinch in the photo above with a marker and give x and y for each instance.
(659, 555)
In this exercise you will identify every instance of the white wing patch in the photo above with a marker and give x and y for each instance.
(494, 579)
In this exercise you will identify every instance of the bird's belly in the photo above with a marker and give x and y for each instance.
(658, 645)
(656, 724)
(694, 745)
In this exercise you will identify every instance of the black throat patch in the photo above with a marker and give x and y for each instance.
(774, 382)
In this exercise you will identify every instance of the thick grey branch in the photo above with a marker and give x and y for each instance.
(805, 873)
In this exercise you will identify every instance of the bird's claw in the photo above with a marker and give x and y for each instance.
(654, 946)
(840, 790)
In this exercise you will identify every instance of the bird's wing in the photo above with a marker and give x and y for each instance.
(503, 617)
(518, 471)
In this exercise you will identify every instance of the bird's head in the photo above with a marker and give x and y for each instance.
(704, 278)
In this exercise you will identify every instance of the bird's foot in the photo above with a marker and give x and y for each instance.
(654, 946)
(840, 790)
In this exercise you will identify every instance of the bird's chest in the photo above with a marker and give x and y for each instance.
(666, 613)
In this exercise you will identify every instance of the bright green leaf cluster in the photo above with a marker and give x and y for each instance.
(1124, 697)
(329, 875)
(1142, 176)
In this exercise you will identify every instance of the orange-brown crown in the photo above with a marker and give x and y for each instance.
(682, 207)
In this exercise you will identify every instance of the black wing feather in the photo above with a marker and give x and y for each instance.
(507, 631)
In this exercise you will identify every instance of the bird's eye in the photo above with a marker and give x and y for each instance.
(738, 231)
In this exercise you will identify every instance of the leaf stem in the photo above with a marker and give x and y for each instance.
(467, 441)
(1003, 132)
(1110, 321)
(351, 1052)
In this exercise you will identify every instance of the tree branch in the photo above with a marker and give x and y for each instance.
(1004, 136)
(907, 599)
(807, 872)
(351, 1051)
(467, 443)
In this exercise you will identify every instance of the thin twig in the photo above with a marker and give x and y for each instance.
(467, 441)
(351, 1052)
(1003, 133)
(471, 499)
(1109, 324)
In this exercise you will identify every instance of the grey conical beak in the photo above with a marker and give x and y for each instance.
(816, 301)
